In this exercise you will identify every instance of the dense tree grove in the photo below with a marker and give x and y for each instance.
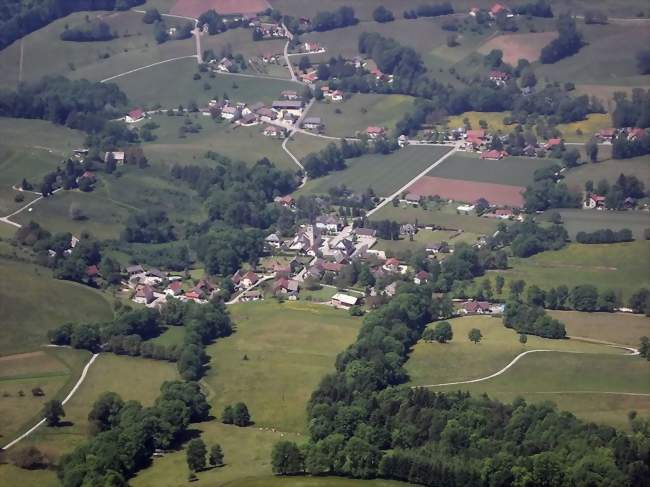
(362, 427)
(94, 31)
(622, 148)
(532, 320)
(605, 236)
(568, 42)
(528, 238)
(538, 8)
(633, 111)
(429, 10)
(381, 14)
(130, 433)
(18, 18)
(148, 226)
(342, 17)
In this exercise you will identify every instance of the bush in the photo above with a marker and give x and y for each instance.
(30, 458)
(382, 15)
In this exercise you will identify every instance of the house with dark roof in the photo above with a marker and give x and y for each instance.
(312, 123)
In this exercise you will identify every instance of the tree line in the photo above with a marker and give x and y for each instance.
(341, 17)
(568, 42)
(97, 30)
(528, 238)
(605, 236)
(429, 10)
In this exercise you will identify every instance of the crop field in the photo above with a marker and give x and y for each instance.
(44, 53)
(53, 370)
(519, 46)
(444, 216)
(194, 8)
(246, 144)
(384, 173)
(360, 111)
(606, 266)
(278, 339)
(171, 84)
(32, 302)
(468, 191)
(591, 220)
(622, 328)
(609, 170)
(510, 171)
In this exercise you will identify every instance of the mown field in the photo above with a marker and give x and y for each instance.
(32, 302)
(301, 144)
(421, 239)
(353, 115)
(278, 340)
(607, 266)
(514, 171)
(583, 383)
(384, 173)
(609, 170)
(591, 220)
(622, 328)
(246, 144)
(172, 84)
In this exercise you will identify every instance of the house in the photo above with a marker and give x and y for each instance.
(256, 106)
(143, 294)
(328, 223)
(174, 288)
(636, 133)
(134, 269)
(236, 278)
(344, 301)
(92, 271)
(499, 77)
(285, 286)
(421, 277)
(267, 115)
(294, 107)
(225, 65)
(281, 269)
(340, 257)
(504, 214)
(465, 208)
(118, 157)
(336, 95)
(595, 201)
(607, 134)
(134, 115)
(345, 245)
(391, 289)
(411, 199)
(497, 9)
(248, 119)
(479, 134)
(552, 143)
(313, 47)
(312, 123)
(309, 78)
(289, 95)
(474, 11)
(193, 295)
(273, 131)
(88, 175)
(287, 201)
(375, 132)
(437, 248)
(365, 232)
(273, 240)
(332, 267)
(391, 265)
(408, 229)
(253, 295)
(493, 155)
(475, 307)
(229, 113)
(249, 279)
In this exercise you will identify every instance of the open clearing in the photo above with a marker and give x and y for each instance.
(510, 171)
(609, 170)
(194, 8)
(279, 340)
(361, 111)
(421, 239)
(576, 220)
(607, 266)
(33, 302)
(622, 328)
(519, 46)
(384, 173)
(468, 191)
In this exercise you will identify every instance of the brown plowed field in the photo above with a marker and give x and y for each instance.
(194, 8)
(468, 191)
(519, 46)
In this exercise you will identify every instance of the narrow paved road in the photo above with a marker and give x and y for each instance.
(396, 194)
(288, 61)
(84, 372)
(5, 219)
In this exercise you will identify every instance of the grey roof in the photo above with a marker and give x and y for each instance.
(312, 121)
(287, 104)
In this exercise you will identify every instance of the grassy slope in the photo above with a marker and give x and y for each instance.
(620, 328)
(361, 111)
(606, 266)
(515, 171)
(32, 302)
(241, 143)
(384, 173)
(278, 339)
(421, 239)
(301, 144)
(609, 170)
(590, 220)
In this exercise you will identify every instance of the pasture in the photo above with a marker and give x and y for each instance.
(606, 266)
(301, 144)
(278, 340)
(444, 216)
(519, 46)
(384, 173)
(584, 130)
(609, 170)
(360, 111)
(33, 302)
(576, 220)
(246, 144)
(194, 8)
(171, 84)
(509, 171)
(622, 328)
(421, 239)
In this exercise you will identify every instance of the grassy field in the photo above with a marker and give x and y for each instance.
(44, 53)
(239, 143)
(53, 370)
(171, 84)
(302, 144)
(384, 173)
(361, 111)
(444, 216)
(625, 329)
(609, 170)
(278, 340)
(585, 129)
(590, 220)
(421, 239)
(514, 171)
(314, 482)
(32, 302)
(606, 266)
(173, 335)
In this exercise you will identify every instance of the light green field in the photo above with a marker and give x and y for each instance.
(361, 111)
(44, 53)
(173, 335)
(618, 267)
(588, 127)
(609, 170)
(32, 302)
(421, 239)
(171, 84)
(321, 295)
(590, 220)
(384, 173)
(302, 144)
(278, 339)
(444, 216)
(246, 144)
(622, 328)
(494, 121)
(53, 370)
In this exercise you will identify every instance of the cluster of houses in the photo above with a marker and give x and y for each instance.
(494, 11)
(595, 201)
(269, 30)
(630, 133)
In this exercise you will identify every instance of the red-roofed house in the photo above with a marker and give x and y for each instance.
(421, 277)
(336, 95)
(391, 265)
(174, 288)
(134, 115)
(499, 77)
(313, 47)
(89, 175)
(494, 155)
(92, 271)
(309, 78)
(607, 134)
(375, 132)
(497, 8)
(636, 133)
(193, 295)
(552, 143)
(249, 279)
(595, 201)
(286, 201)
(503, 214)
(475, 307)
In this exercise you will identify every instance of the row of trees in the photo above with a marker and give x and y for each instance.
(341, 17)
(332, 158)
(528, 238)
(625, 186)
(95, 31)
(429, 10)
(605, 236)
(568, 42)
(532, 320)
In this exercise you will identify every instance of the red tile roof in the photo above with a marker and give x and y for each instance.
(136, 113)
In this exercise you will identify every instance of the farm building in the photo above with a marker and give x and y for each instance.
(344, 301)
(134, 115)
